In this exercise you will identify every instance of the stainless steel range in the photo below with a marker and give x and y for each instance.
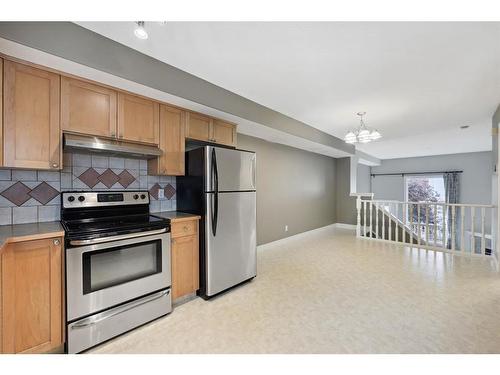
(117, 265)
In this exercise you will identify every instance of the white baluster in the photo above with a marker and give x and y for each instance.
(444, 226)
(376, 220)
(418, 224)
(453, 213)
(483, 239)
(396, 222)
(364, 217)
(371, 219)
(426, 224)
(383, 220)
(435, 224)
(358, 217)
(473, 230)
(390, 222)
(411, 223)
(462, 228)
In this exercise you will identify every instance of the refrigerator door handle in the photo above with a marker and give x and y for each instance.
(215, 176)
(253, 170)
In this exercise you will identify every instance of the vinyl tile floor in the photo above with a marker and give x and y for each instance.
(328, 292)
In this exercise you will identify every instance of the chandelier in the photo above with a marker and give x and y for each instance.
(362, 134)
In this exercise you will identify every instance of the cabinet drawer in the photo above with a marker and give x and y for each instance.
(184, 228)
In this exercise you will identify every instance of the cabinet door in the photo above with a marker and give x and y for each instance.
(31, 117)
(198, 127)
(224, 133)
(185, 266)
(172, 143)
(87, 108)
(1, 115)
(32, 296)
(138, 119)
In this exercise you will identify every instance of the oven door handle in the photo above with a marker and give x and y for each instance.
(116, 238)
(118, 310)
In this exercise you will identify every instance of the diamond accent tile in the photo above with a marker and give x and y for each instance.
(169, 191)
(90, 177)
(154, 190)
(44, 193)
(125, 178)
(108, 178)
(17, 193)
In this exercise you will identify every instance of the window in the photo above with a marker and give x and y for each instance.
(425, 188)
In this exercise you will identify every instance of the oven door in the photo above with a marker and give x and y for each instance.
(106, 274)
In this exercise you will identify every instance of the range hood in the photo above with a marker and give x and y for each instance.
(88, 143)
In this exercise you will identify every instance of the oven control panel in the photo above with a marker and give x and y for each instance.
(76, 199)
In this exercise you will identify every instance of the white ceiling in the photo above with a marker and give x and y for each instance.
(418, 82)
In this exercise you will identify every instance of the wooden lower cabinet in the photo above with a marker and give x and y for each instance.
(31, 296)
(185, 258)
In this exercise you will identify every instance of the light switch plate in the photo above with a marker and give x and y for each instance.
(161, 193)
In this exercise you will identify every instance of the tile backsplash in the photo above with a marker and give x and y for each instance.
(34, 196)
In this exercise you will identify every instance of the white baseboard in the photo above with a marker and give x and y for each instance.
(345, 226)
(295, 236)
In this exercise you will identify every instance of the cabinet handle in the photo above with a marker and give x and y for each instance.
(55, 165)
(57, 242)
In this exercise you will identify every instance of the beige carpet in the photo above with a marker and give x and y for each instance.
(328, 292)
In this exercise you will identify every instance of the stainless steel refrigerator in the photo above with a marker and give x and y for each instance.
(219, 185)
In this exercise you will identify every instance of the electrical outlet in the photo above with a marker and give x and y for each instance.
(161, 193)
(286, 228)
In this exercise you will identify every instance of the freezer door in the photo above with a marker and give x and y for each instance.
(231, 244)
(229, 170)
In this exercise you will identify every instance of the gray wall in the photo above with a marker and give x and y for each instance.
(346, 205)
(294, 187)
(475, 180)
(495, 122)
(363, 179)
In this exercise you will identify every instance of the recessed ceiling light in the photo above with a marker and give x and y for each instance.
(464, 127)
(140, 31)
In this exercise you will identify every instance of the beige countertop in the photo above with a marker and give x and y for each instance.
(27, 232)
(174, 216)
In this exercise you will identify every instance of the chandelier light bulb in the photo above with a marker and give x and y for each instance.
(362, 134)
(140, 31)
(350, 138)
(374, 135)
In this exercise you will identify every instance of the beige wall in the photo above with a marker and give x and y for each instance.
(294, 188)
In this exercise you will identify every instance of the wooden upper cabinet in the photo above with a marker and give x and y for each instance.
(224, 133)
(198, 127)
(204, 128)
(31, 285)
(138, 119)
(87, 108)
(31, 101)
(172, 143)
